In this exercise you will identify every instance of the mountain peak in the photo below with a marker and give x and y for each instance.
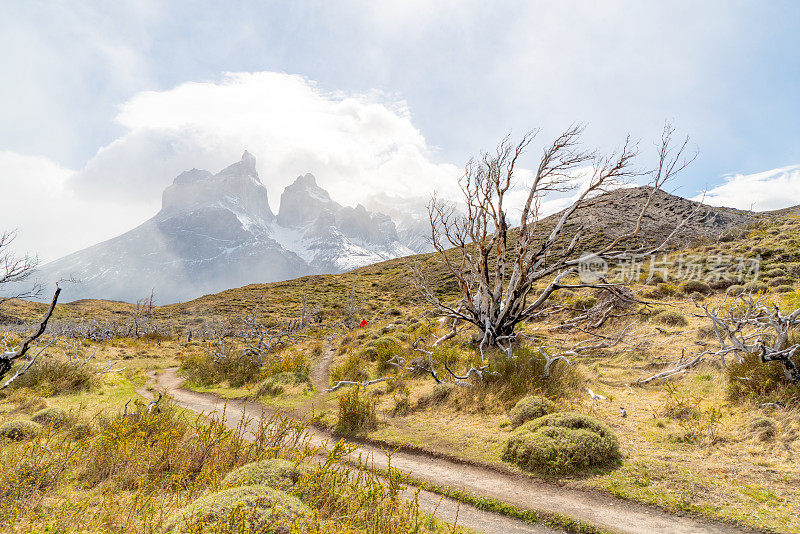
(244, 167)
(306, 180)
(236, 187)
(304, 201)
(248, 160)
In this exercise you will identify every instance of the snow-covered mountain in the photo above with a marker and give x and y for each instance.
(217, 231)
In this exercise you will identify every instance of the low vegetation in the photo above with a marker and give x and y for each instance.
(562, 443)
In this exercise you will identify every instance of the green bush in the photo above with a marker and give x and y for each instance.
(582, 302)
(695, 286)
(529, 408)
(783, 289)
(562, 443)
(276, 473)
(722, 283)
(20, 430)
(670, 318)
(240, 509)
(356, 411)
(54, 417)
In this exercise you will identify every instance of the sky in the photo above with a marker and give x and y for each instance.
(104, 103)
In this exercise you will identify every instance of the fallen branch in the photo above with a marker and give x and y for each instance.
(342, 383)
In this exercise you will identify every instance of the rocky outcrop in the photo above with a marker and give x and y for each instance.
(217, 231)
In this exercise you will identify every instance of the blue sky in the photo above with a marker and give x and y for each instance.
(89, 125)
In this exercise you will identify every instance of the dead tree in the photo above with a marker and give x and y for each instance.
(745, 324)
(15, 269)
(497, 270)
(8, 357)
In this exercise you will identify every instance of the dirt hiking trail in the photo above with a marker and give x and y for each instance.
(606, 512)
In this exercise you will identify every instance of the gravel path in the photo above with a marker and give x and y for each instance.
(607, 512)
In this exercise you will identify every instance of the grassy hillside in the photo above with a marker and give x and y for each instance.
(693, 443)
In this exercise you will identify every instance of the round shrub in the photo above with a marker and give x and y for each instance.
(54, 417)
(783, 289)
(256, 508)
(722, 283)
(695, 286)
(755, 287)
(561, 443)
(775, 273)
(779, 281)
(275, 473)
(529, 408)
(20, 430)
(736, 289)
(671, 318)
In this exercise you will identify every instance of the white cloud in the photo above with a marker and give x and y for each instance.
(769, 190)
(50, 219)
(356, 145)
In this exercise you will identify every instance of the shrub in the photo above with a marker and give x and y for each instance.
(57, 377)
(20, 430)
(695, 286)
(234, 367)
(524, 374)
(582, 302)
(722, 283)
(762, 429)
(670, 318)
(736, 290)
(783, 289)
(296, 364)
(273, 385)
(764, 382)
(755, 287)
(356, 411)
(383, 349)
(54, 417)
(352, 368)
(562, 443)
(276, 473)
(775, 273)
(662, 290)
(779, 281)
(529, 408)
(240, 509)
(440, 393)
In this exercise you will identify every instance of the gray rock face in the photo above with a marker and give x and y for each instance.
(304, 201)
(217, 231)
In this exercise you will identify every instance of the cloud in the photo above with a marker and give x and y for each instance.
(51, 220)
(356, 144)
(769, 190)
